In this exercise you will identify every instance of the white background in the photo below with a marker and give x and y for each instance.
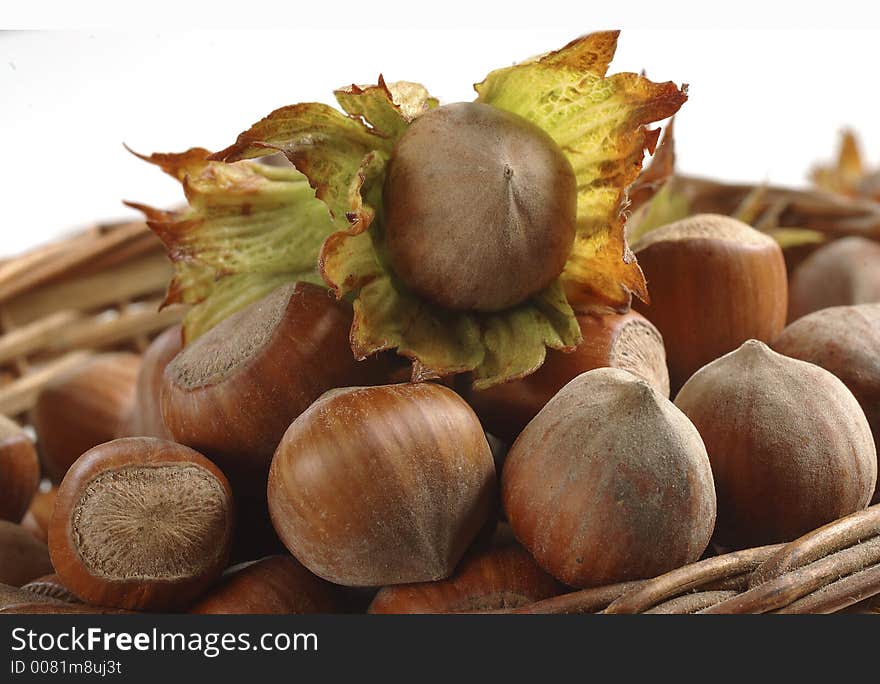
(766, 100)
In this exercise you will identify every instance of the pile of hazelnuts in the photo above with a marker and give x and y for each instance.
(263, 469)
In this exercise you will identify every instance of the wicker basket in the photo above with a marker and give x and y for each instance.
(97, 290)
(101, 289)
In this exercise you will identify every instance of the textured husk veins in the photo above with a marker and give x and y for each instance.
(600, 125)
(249, 228)
(609, 482)
(790, 447)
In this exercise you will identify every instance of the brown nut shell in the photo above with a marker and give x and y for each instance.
(22, 557)
(141, 524)
(83, 408)
(145, 419)
(382, 485)
(480, 207)
(19, 470)
(626, 341)
(790, 447)
(845, 341)
(276, 585)
(715, 282)
(610, 482)
(844, 272)
(232, 393)
(495, 579)
(39, 513)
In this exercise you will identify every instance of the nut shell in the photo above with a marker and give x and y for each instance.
(382, 485)
(99, 394)
(480, 207)
(22, 557)
(232, 393)
(715, 282)
(499, 578)
(791, 449)
(141, 524)
(626, 341)
(19, 471)
(274, 585)
(844, 272)
(845, 341)
(236, 410)
(145, 419)
(39, 514)
(610, 482)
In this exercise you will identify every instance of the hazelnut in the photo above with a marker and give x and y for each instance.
(491, 220)
(846, 271)
(499, 578)
(83, 408)
(231, 393)
(844, 340)
(145, 419)
(610, 482)
(22, 558)
(36, 520)
(19, 470)
(141, 524)
(626, 341)
(715, 282)
(382, 485)
(789, 445)
(273, 585)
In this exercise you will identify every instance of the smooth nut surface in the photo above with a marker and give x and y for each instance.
(83, 408)
(845, 341)
(19, 470)
(715, 282)
(22, 557)
(382, 485)
(789, 444)
(272, 585)
(480, 207)
(495, 579)
(844, 272)
(610, 482)
(145, 419)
